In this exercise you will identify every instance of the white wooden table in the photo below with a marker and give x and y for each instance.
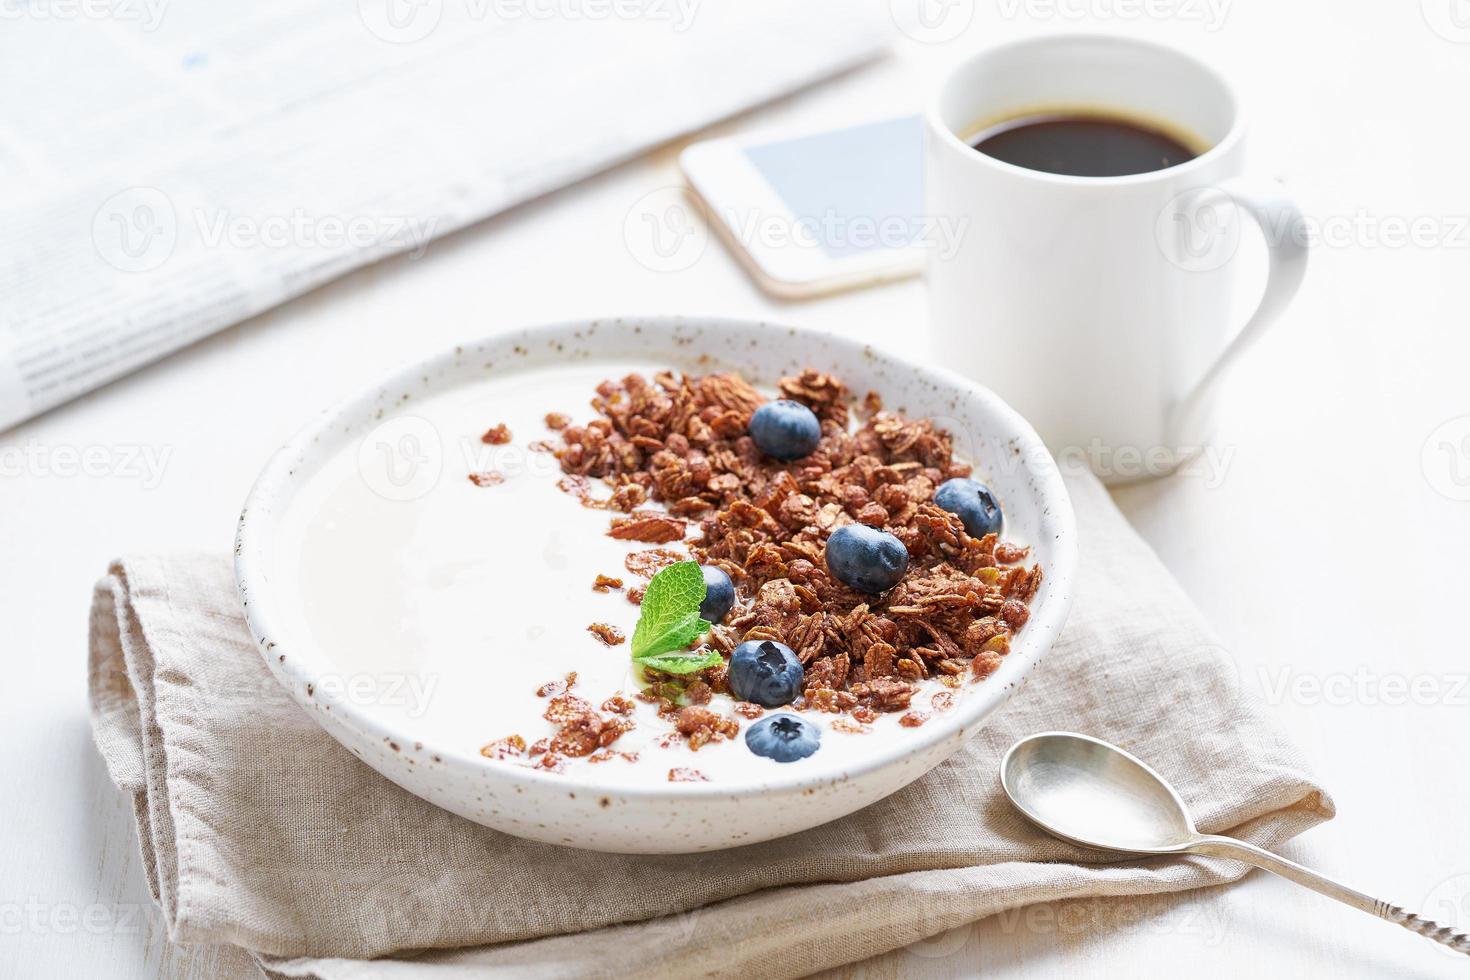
(1329, 548)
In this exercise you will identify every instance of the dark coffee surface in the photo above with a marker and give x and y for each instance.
(1082, 145)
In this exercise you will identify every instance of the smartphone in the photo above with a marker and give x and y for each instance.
(813, 213)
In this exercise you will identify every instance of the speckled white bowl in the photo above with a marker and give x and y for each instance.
(587, 807)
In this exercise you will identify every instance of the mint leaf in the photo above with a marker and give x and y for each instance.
(668, 621)
(683, 662)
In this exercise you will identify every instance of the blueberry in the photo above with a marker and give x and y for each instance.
(866, 558)
(784, 738)
(719, 594)
(973, 502)
(765, 672)
(785, 429)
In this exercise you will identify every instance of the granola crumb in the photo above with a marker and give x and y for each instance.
(749, 709)
(606, 583)
(635, 594)
(850, 726)
(618, 705)
(648, 562)
(609, 635)
(496, 435)
(512, 746)
(551, 762)
(700, 726)
(913, 719)
(942, 700)
(487, 478)
(648, 526)
(557, 421)
(681, 774)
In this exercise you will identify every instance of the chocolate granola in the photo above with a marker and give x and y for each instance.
(682, 442)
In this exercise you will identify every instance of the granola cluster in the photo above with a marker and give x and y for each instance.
(681, 441)
(581, 730)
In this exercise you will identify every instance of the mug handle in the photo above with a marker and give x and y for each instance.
(1278, 217)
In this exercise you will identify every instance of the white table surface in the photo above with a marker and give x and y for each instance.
(1328, 554)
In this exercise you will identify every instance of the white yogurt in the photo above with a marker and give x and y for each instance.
(448, 604)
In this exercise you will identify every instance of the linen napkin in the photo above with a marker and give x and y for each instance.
(258, 829)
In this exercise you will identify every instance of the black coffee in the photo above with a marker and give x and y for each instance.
(1082, 145)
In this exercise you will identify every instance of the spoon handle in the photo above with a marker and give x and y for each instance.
(1228, 847)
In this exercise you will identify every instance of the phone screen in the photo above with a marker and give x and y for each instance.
(857, 190)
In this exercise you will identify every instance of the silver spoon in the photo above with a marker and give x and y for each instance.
(1089, 792)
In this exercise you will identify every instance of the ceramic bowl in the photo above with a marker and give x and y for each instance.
(587, 806)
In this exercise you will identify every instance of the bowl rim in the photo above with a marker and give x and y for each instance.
(274, 486)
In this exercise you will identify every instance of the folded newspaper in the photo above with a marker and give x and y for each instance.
(176, 166)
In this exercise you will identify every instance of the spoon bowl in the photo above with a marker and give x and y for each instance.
(1090, 792)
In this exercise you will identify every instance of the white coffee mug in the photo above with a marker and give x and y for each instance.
(1099, 307)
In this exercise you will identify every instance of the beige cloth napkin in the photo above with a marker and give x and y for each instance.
(259, 830)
